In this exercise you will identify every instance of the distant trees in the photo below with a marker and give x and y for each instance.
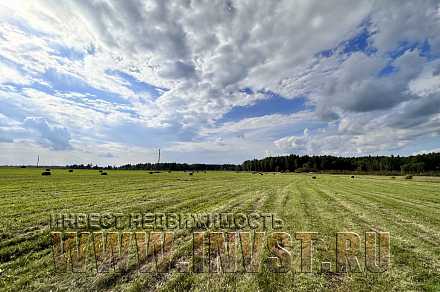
(414, 167)
(87, 166)
(378, 164)
(163, 166)
(297, 163)
(416, 164)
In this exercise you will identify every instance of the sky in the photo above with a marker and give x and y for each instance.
(109, 82)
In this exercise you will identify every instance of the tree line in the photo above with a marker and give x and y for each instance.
(165, 166)
(415, 164)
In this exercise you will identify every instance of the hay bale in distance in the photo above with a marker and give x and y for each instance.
(45, 173)
(408, 177)
(313, 177)
(352, 176)
(70, 170)
(103, 173)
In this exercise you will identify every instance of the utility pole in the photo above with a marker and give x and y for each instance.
(158, 159)
(38, 160)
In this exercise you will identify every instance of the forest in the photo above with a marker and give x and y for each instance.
(415, 164)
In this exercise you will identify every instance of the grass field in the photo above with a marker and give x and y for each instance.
(408, 209)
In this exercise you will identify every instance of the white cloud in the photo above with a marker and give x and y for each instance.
(204, 52)
(9, 74)
(55, 136)
(428, 82)
(435, 150)
(259, 123)
(294, 143)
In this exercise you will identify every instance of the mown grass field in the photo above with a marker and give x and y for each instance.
(408, 209)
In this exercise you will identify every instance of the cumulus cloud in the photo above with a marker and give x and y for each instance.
(10, 129)
(203, 51)
(55, 136)
(368, 76)
(8, 74)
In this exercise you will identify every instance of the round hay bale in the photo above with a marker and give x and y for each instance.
(45, 173)
(70, 170)
(313, 177)
(103, 173)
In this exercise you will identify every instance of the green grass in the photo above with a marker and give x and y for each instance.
(408, 209)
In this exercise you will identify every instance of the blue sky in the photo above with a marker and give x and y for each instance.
(98, 83)
(271, 104)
